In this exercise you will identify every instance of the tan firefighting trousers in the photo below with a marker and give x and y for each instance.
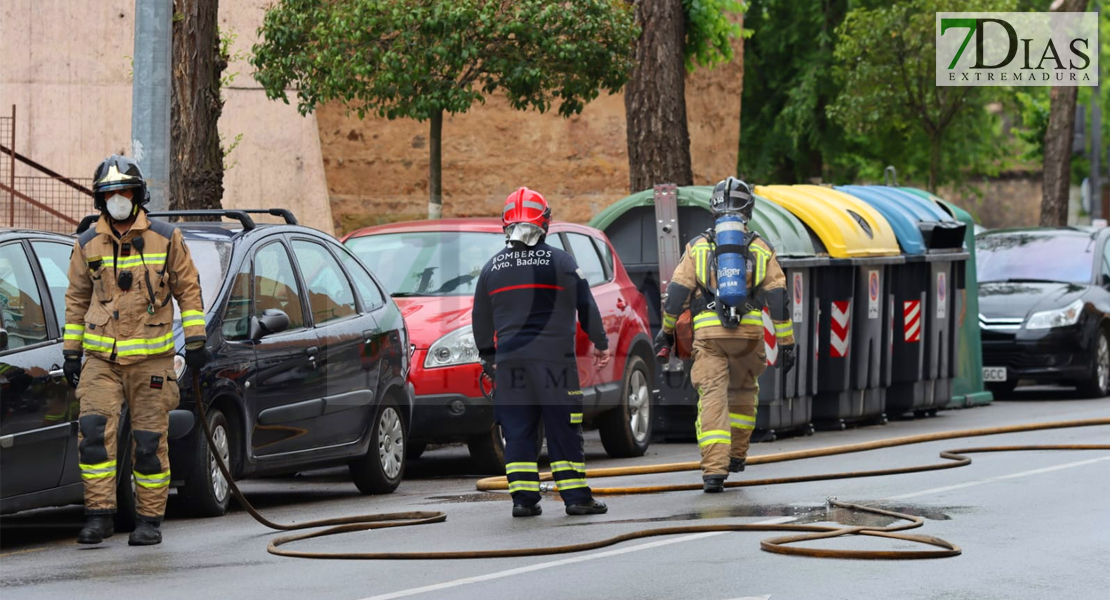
(150, 390)
(725, 373)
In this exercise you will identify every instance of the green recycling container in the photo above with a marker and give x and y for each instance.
(967, 386)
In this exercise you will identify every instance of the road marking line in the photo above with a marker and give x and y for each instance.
(27, 551)
(968, 484)
(559, 563)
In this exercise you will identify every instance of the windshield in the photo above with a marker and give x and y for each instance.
(1034, 256)
(211, 259)
(428, 263)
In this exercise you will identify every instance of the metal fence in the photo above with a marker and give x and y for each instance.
(48, 201)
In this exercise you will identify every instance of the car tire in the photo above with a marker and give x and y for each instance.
(125, 485)
(1097, 383)
(206, 493)
(626, 429)
(380, 470)
(488, 450)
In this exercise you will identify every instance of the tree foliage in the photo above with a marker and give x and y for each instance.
(709, 31)
(416, 58)
(886, 61)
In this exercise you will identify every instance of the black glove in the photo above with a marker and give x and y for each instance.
(488, 368)
(789, 357)
(71, 367)
(196, 358)
(663, 341)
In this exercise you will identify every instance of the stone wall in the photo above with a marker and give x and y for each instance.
(377, 170)
(1012, 201)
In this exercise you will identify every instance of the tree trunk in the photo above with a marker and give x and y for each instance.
(196, 167)
(935, 143)
(1057, 143)
(655, 99)
(435, 167)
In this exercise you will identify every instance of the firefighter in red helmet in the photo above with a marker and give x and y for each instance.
(525, 304)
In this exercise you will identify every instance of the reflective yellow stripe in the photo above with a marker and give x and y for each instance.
(715, 436)
(193, 322)
(762, 258)
(98, 470)
(97, 342)
(740, 421)
(570, 484)
(74, 336)
(159, 480)
(140, 346)
(191, 313)
(524, 486)
(521, 467)
(784, 329)
(575, 418)
(752, 318)
(706, 319)
(669, 321)
(566, 465)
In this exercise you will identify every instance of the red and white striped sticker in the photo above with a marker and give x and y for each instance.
(911, 313)
(770, 339)
(840, 325)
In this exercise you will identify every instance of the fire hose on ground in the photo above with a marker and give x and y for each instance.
(781, 545)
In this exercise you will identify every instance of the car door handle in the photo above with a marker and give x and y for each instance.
(57, 373)
(369, 335)
(311, 351)
(621, 304)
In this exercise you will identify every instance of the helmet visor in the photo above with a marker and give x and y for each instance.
(526, 233)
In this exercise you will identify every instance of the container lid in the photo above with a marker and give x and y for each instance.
(920, 225)
(847, 226)
(776, 225)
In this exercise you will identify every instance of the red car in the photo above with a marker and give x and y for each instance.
(431, 268)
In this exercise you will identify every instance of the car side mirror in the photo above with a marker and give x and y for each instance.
(3, 339)
(273, 320)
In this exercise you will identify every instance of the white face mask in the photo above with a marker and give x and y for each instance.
(119, 206)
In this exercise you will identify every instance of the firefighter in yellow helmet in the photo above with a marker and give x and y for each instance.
(728, 352)
(123, 275)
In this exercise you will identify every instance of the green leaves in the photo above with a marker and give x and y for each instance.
(416, 58)
(709, 31)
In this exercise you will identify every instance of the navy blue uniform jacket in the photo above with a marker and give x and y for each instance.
(529, 297)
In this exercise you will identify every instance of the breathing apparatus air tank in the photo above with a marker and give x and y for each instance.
(732, 287)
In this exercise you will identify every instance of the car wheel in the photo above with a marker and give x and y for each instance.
(207, 493)
(1097, 384)
(125, 482)
(415, 450)
(381, 469)
(488, 450)
(626, 430)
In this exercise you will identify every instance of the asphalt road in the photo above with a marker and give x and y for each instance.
(1031, 525)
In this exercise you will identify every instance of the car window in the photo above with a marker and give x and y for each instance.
(1105, 262)
(371, 296)
(555, 241)
(329, 293)
(428, 263)
(586, 256)
(237, 317)
(20, 302)
(275, 286)
(54, 263)
(1023, 255)
(606, 255)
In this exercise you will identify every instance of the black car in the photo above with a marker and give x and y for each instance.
(309, 363)
(1044, 297)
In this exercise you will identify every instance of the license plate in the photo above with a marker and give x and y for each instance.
(994, 374)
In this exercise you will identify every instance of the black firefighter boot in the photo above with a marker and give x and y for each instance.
(98, 527)
(736, 465)
(146, 532)
(713, 484)
(587, 507)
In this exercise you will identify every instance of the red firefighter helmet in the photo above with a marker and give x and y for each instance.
(526, 206)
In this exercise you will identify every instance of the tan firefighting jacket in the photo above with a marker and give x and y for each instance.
(128, 326)
(697, 267)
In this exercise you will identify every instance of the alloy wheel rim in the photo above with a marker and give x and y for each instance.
(639, 407)
(1103, 364)
(219, 482)
(391, 443)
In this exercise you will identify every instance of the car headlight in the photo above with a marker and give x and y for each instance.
(1060, 317)
(455, 348)
(178, 365)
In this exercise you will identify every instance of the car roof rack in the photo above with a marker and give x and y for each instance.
(240, 214)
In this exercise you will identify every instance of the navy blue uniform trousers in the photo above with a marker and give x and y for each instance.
(528, 392)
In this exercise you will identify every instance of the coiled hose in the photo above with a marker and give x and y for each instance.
(779, 545)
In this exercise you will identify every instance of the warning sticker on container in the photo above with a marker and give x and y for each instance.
(873, 294)
(798, 312)
(942, 296)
